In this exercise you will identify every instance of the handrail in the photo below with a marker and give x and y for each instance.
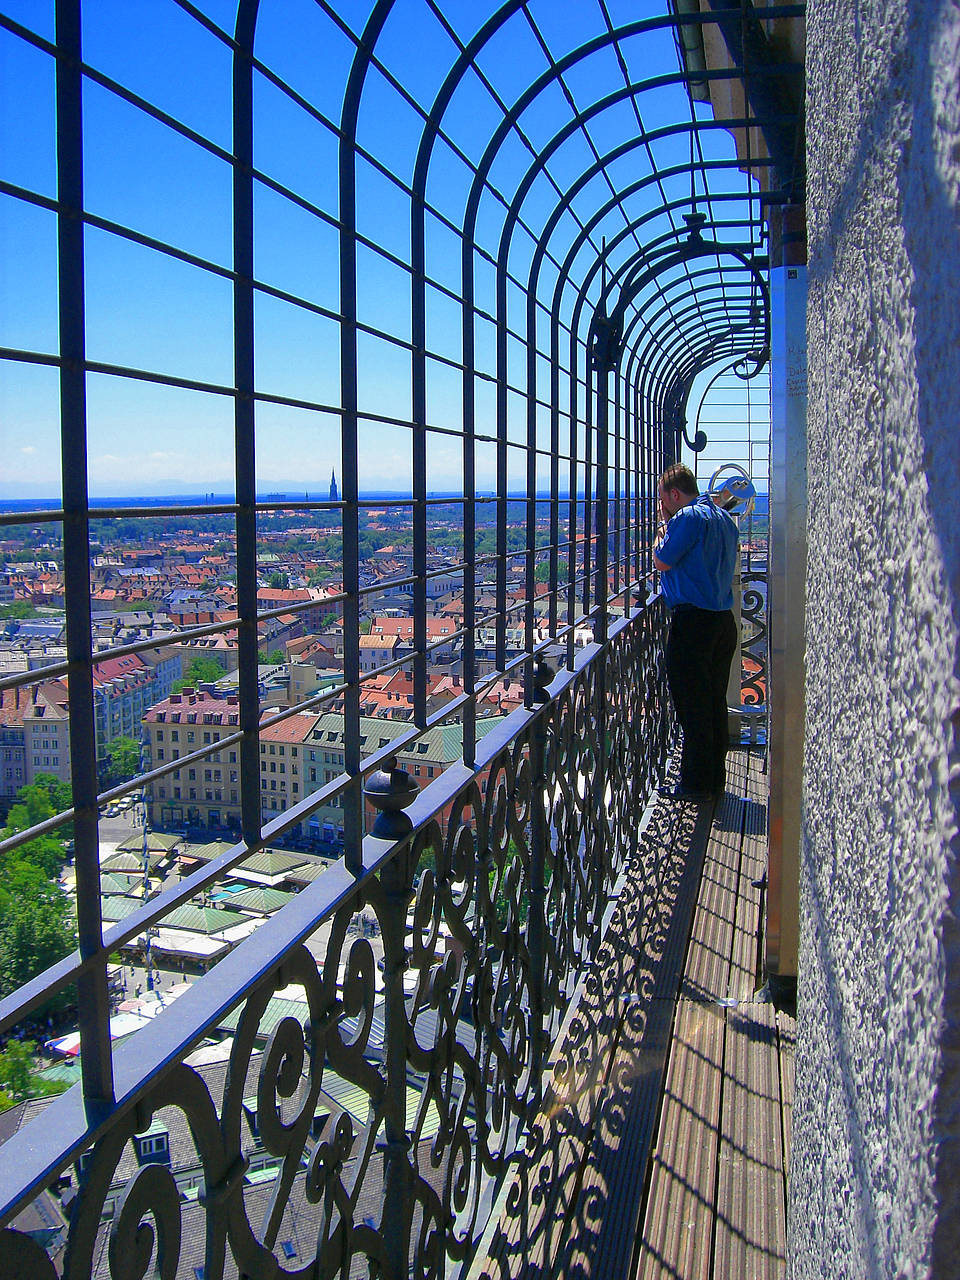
(516, 884)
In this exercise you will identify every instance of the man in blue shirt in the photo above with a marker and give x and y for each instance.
(697, 556)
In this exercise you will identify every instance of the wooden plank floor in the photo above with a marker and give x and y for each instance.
(715, 1205)
(573, 1204)
(662, 1146)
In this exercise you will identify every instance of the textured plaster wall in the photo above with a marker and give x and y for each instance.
(875, 1186)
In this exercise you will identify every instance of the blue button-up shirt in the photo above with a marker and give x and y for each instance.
(700, 547)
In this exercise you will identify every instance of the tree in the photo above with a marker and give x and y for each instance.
(278, 581)
(19, 609)
(45, 854)
(201, 670)
(124, 755)
(542, 571)
(16, 1068)
(36, 928)
(18, 1080)
(40, 799)
(278, 657)
(35, 803)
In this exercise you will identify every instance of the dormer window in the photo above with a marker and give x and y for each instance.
(250, 1111)
(153, 1146)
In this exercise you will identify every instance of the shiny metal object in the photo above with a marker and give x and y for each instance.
(736, 492)
(787, 601)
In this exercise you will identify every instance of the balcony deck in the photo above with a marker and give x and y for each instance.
(716, 1202)
(663, 1148)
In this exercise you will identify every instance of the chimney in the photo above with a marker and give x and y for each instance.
(176, 697)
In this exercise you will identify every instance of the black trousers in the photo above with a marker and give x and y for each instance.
(700, 648)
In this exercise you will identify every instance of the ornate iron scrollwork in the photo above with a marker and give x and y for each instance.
(753, 645)
(487, 923)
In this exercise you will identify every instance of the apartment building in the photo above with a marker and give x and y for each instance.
(12, 753)
(282, 762)
(322, 759)
(203, 793)
(46, 728)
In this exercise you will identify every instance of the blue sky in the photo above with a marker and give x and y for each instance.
(149, 311)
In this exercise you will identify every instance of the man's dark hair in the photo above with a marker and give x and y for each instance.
(680, 477)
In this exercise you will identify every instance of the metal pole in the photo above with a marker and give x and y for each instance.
(245, 426)
(92, 995)
(787, 572)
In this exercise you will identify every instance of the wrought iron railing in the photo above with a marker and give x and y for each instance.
(388, 1104)
(754, 639)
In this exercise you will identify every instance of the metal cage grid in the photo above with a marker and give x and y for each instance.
(586, 295)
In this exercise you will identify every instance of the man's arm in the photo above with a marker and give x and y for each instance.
(658, 543)
(676, 541)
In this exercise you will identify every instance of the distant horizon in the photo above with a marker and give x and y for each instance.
(46, 501)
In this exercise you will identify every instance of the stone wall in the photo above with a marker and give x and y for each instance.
(875, 1187)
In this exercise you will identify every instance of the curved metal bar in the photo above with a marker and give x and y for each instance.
(670, 350)
(695, 248)
(667, 241)
(644, 369)
(479, 179)
(712, 325)
(655, 177)
(680, 373)
(680, 337)
(349, 491)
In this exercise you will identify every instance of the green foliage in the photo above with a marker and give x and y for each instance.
(36, 922)
(487, 540)
(277, 657)
(35, 803)
(330, 546)
(542, 571)
(16, 1068)
(36, 927)
(278, 581)
(510, 882)
(19, 609)
(45, 854)
(18, 1079)
(124, 755)
(299, 544)
(202, 670)
(42, 798)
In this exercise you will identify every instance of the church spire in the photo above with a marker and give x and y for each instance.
(334, 494)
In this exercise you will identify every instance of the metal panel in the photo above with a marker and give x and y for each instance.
(786, 606)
